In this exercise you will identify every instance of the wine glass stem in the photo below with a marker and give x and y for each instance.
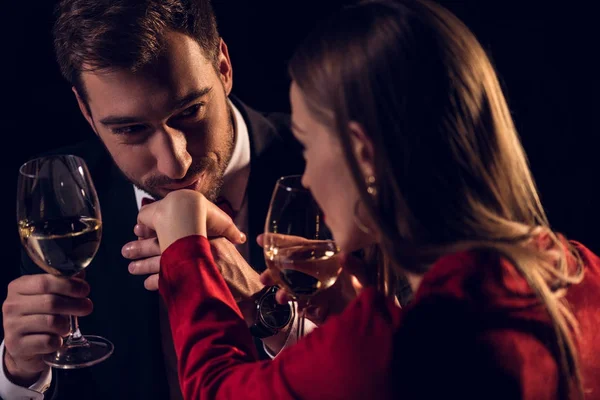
(301, 317)
(302, 322)
(75, 337)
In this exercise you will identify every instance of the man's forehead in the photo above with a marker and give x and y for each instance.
(116, 89)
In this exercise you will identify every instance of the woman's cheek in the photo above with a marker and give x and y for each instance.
(313, 176)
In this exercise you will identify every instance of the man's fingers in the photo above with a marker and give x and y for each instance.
(143, 232)
(49, 284)
(146, 215)
(49, 304)
(35, 344)
(80, 275)
(260, 239)
(266, 278)
(282, 296)
(142, 248)
(43, 324)
(146, 266)
(151, 283)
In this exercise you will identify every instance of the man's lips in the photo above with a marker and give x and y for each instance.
(192, 184)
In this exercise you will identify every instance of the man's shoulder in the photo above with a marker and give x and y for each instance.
(280, 121)
(275, 125)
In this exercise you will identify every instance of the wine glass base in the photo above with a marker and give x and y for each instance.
(96, 350)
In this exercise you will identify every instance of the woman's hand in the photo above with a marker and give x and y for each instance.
(186, 212)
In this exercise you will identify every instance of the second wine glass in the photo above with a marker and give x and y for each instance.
(299, 248)
(60, 226)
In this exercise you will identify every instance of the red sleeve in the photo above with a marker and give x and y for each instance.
(348, 358)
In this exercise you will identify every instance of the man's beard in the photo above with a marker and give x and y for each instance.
(213, 179)
(212, 169)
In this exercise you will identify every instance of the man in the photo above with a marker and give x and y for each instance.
(153, 79)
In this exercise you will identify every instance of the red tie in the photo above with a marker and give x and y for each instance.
(225, 205)
(147, 200)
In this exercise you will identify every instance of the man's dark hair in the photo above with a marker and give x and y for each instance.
(103, 34)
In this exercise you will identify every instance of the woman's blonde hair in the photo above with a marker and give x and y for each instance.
(450, 170)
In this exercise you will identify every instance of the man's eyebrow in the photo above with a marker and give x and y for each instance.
(188, 98)
(178, 103)
(118, 120)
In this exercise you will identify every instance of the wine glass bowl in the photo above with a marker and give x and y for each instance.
(60, 226)
(61, 247)
(302, 267)
(299, 249)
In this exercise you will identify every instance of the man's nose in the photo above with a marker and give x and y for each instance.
(170, 150)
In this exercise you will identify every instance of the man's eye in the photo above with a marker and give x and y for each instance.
(129, 130)
(190, 111)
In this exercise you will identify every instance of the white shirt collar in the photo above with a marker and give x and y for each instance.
(235, 178)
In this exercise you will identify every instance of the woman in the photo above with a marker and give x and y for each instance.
(410, 148)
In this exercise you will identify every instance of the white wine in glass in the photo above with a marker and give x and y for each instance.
(60, 226)
(303, 268)
(299, 248)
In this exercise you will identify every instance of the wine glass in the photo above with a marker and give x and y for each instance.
(299, 249)
(60, 226)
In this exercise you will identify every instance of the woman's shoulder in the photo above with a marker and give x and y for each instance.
(476, 276)
(464, 311)
(476, 307)
(490, 278)
(468, 352)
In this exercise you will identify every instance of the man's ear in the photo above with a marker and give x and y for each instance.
(362, 146)
(84, 109)
(224, 67)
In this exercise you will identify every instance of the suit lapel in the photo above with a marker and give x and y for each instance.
(274, 153)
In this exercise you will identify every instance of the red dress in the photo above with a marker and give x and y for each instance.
(465, 335)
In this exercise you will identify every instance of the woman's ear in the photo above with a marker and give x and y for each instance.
(362, 146)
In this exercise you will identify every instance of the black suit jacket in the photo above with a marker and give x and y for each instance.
(124, 312)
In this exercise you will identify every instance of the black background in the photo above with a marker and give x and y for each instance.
(545, 57)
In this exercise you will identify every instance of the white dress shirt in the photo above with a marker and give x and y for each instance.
(10, 391)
